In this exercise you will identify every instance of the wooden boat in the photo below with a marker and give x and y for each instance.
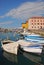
(33, 48)
(12, 46)
(9, 46)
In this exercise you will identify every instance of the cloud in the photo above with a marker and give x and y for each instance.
(5, 23)
(40, 0)
(26, 10)
(2, 16)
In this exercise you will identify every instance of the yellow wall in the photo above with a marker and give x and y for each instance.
(25, 25)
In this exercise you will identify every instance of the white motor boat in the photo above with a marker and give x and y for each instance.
(9, 46)
(33, 49)
(33, 34)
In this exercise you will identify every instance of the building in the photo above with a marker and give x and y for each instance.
(36, 23)
(25, 25)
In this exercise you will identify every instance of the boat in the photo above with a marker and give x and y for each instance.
(12, 46)
(34, 40)
(29, 33)
(37, 49)
(31, 40)
(9, 46)
(26, 33)
(31, 56)
(33, 34)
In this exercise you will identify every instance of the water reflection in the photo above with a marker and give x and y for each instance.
(32, 58)
(22, 58)
(10, 57)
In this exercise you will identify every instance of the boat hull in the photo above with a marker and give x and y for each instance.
(33, 50)
(37, 50)
(10, 47)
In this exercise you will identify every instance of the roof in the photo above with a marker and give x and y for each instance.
(37, 17)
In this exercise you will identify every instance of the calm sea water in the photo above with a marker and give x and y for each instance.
(22, 58)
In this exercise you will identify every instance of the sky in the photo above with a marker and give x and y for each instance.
(15, 12)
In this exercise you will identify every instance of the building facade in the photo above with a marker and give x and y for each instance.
(36, 23)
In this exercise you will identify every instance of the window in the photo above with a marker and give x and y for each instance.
(32, 20)
(41, 23)
(43, 20)
(35, 23)
(35, 26)
(38, 20)
(40, 27)
(38, 23)
(32, 23)
(32, 26)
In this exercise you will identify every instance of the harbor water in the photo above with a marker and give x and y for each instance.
(23, 58)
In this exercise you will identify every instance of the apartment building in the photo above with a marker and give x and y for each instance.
(36, 23)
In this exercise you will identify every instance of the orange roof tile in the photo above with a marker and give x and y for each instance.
(37, 17)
